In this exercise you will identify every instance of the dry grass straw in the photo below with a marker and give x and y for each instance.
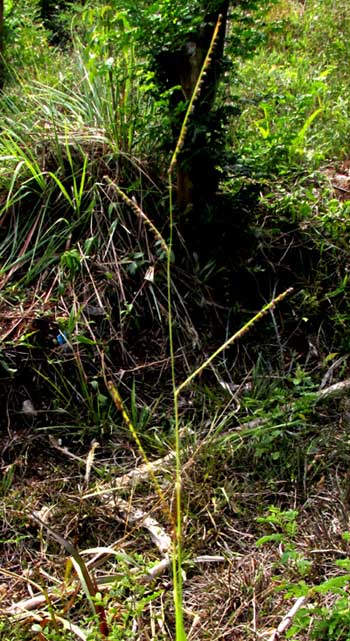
(236, 599)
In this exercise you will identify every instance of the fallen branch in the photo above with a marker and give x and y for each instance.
(26, 605)
(133, 477)
(37, 601)
(135, 515)
(332, 391)
(287, 620)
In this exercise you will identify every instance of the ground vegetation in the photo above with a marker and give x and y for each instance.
(174, 370)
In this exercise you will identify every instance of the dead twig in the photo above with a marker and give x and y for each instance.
(137, 516)
(288, 618)
(132, 478)
(332, 391)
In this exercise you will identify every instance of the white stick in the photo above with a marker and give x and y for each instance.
(287, 620)
(133, 477)
(138, 516)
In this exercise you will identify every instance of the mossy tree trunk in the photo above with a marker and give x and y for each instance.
(197, 177)
(45, 9)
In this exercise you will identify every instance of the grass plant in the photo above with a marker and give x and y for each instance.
(177, 525)
(177, 553)
(237, 469)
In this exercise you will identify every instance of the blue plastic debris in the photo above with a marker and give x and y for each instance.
(61, 338)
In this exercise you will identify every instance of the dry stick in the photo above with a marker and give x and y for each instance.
(38, 599)
(329, 392)
(23, 607)
(333, 390)
(64, 450)
(288, 618)
(133, 477)
(26, 605)
(143, 472)
(135, 515)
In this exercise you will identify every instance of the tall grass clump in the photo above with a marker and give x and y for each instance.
(87, 136)
(74, 152)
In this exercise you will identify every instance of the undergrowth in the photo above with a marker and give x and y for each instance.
(257, 450)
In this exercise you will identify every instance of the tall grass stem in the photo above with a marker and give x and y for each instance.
(177, 551)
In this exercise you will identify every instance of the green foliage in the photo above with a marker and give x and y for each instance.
(320, 622)
(15, 631)
(165, 26)
(293, 124)
(168, 26)
(334, 622)
(27, 48)
(283, 521)
(296, 86)
(285, 528)
(115, 77)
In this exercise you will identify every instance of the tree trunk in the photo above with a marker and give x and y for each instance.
(45, 9)
(197, 178)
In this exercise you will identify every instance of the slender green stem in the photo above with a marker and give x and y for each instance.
(141, 214)
(177, 551)
(177, 543)
(121, 407)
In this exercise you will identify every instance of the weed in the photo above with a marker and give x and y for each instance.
(294, 570)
